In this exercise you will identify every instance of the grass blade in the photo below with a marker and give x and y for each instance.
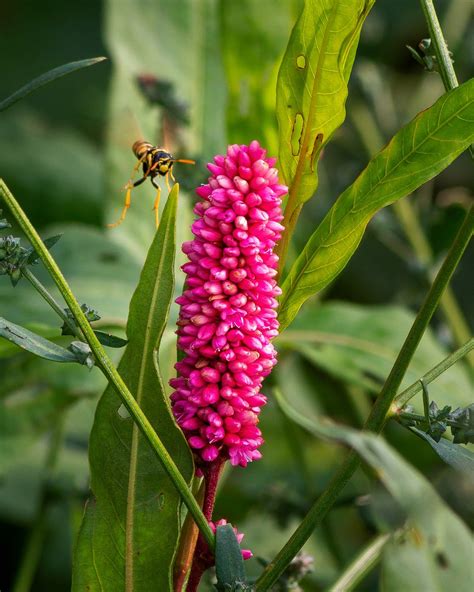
(46, 78)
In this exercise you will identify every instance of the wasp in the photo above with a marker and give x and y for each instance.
(154, 161)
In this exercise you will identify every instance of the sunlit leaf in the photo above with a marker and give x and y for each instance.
(312, 86)
(130, 529)
(46, 78)
(419, 151)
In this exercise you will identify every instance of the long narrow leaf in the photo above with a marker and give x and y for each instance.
(35, 344)
(418, 152)
(46, 78)
(130, 530)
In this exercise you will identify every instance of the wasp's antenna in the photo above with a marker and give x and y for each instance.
(184, 160)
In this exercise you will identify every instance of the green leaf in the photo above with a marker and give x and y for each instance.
(359, 344)
(130, 530)
(110, 340)
(24, 416)
(230, 569)
(436, 554)
(312, 87)
(34, 343)
(53, 191)
(418, 152)
(4, 222)
(47, 78)
(456, 455)
(185, 53)
(9, 349)
(252, 53)
(33, 257)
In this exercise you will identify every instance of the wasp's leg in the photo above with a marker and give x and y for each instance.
(140, 181)
(172, 176)
(128, 201)
(168, 181)
(139, 163)
(134, 171)
(156, 205)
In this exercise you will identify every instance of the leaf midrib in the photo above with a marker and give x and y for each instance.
(379, 181)
(130, 517)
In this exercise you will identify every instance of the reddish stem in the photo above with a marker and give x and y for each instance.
(203, 558)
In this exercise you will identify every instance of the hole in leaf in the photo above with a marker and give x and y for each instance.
(442, 560)
(123, 412)
(296, 134)
(301, 62)
(318, 142)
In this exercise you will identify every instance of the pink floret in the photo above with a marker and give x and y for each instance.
(228, 313)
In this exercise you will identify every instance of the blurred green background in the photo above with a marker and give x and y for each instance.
(65, 154)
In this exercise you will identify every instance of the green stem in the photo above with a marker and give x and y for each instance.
(402, 399)
(445, 63)
(382, 405)
(361, 565)
(35, 543)
(416, 236)
(380, 410)
(107, 367)
(43, 292)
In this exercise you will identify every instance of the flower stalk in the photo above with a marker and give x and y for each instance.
(107, 367)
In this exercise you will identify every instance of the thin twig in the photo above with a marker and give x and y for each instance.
(403, 398)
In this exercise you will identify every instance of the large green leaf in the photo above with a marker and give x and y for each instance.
(359, 344)
(177, 42)
(252, 53)
(24, 416)
(130, 529)
(312, 86)
(418, 152)
(436, 553)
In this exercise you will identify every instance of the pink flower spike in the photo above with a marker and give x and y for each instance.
(227, 314)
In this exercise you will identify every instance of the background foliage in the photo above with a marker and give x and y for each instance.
(65, 152)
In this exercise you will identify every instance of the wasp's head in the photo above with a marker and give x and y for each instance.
(162, 161)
